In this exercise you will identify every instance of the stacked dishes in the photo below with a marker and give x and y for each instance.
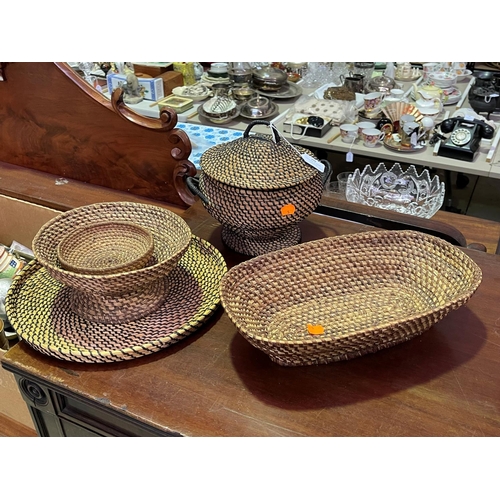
(132, 280)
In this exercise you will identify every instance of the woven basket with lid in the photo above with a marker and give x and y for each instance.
(259, 187)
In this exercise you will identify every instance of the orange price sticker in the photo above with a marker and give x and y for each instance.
(315, 329)
(288, 209)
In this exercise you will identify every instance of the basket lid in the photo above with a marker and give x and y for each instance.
(258, 161)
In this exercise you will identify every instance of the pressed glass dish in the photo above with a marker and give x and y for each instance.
(403, 191)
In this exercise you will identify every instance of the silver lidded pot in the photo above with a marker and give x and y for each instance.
(269, 78)
(380, 83)
(240, 72)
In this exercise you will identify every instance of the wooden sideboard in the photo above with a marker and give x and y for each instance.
(214, 383)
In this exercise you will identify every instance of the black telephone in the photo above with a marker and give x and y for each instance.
(466, 134)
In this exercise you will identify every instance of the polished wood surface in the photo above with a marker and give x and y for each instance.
(62, 194)
(52, 121)
(214, 383)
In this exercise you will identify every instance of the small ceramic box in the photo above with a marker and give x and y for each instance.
(153, 87)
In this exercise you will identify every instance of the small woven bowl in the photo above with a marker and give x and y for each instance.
(106, 248)
(171, 236)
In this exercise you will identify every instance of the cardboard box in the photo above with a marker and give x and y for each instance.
(19, 221)
(152, 69)
(152, 87)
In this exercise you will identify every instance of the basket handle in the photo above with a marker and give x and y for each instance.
(193, 184)
(277, 137)
(326, 174)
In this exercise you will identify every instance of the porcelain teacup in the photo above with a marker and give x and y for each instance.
(348, 132)
(372, 101)
(362, 126)
(372, 136)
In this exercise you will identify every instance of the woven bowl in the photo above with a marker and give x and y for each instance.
(106, 248)
(171, 237)
(341, 297)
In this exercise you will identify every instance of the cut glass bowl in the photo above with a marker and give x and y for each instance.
(406, 192)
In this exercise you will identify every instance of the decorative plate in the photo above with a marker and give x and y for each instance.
(205, 78)
(196, 93)
(393, 145)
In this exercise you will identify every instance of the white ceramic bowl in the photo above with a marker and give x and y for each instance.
(443, 79)
(465, 73)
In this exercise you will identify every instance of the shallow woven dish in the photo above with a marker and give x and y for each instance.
(38, 307)
(368, 291)
(106, 248)
(171, 236)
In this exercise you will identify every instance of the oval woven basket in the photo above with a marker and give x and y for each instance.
(106, 248)
(171, 238)
(341, 297)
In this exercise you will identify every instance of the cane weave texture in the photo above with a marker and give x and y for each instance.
(106, 248)
(257, 162)
(247, 182)
(365, 291)
(171, 237)
(38, 307)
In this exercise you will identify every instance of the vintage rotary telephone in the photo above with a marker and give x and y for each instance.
(465, 137)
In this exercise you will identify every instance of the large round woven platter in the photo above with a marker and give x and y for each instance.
(38, 307)
(341, 297)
